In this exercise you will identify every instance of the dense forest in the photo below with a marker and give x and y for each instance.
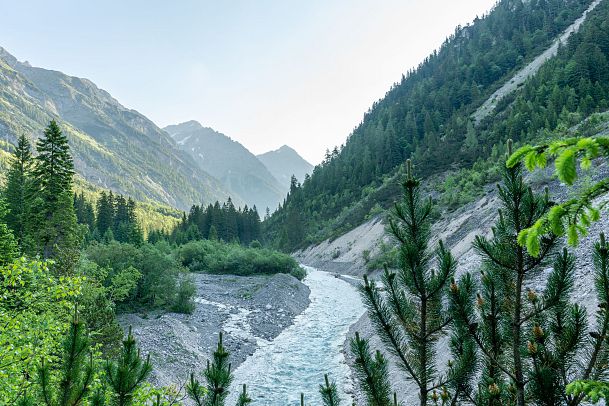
(427, 115)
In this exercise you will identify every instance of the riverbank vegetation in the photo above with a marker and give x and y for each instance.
(70, 264)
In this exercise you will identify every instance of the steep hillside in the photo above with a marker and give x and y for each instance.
(427, 116)
(285, 162)
(237, 168)
(113, 147)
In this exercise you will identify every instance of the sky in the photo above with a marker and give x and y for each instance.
(265, 73)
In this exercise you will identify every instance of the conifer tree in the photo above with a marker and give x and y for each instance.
(218, 377)
(54, 232)
(244, 399)
(371, 373)
(8, 245)
(329, 393)
(54, 168)
(128, 372)
(412, 315)
(592, 381)
(75, 372)
(526, 339)
(18, 187)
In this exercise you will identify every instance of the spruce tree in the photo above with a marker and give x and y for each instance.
(127, 373)
(54, 232)
(18, 187)
(54, 168)
(412, 316)
(76, 370)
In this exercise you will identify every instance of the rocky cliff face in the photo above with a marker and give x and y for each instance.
(113, 146)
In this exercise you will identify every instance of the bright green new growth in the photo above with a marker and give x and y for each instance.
(594, 391)
(573, 217)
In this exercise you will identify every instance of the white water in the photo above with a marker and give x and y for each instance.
(296, 360)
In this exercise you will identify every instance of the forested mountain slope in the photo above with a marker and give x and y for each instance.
(285, 162)
(427, 115)
(227, 160)
(113, 147)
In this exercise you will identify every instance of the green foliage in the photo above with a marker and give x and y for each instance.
(329, 393)
(371, 372)
(140, 277)
(219, 222)
(244, 398)
(127, 373)
(594, 391)
(218, 377)
(8, 244)
(216, 257)
(18, 187)
(412, 315)
(573, 217)
(35, 311)
(76, 370)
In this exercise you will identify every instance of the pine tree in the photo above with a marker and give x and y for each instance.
(329, 393)
(18, 188)
(76, 370)
(502, 315)
(371, 372)
(413, 314)
(218, 377)
(126, 374)
(244, 399)
(592, 381)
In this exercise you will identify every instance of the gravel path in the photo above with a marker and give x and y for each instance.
(247, 309)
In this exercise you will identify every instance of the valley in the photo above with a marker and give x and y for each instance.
(451, 251)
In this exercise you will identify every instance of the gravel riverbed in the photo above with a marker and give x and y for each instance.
(247, 309)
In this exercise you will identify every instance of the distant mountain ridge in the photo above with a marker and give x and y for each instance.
(285, 162)
(113, 146)
(230, 162)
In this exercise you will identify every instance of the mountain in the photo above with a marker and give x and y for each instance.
(237, 168)
(114, 147)
(285, 162)
(440, 116)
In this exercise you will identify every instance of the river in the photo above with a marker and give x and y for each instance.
(297, 359)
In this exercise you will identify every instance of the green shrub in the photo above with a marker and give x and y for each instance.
(221, 258)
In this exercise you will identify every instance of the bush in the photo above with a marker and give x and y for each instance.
(152, 268)
(221, 258)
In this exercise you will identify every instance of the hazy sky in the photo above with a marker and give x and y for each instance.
(265, 73)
